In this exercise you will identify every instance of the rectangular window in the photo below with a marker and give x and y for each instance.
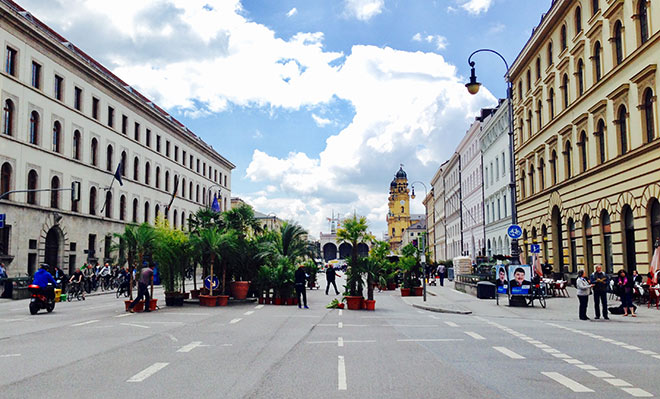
(124, 124)
(190, 164)
(59, 87)
(111, 116)
(225, 180)
(183, 158)
(10, 62)
(4, 240)
(499, 209)
(77, 98)
(486, 177)
(167, 148)
(505, 206)
(91, 245)
(136, 131)
(497, 170)
(148, 138)
(198, 166)
(503, 165)
(158, 143)
(36, 75)
(176, 153)
(95, 108)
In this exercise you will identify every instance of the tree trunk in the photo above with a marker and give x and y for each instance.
(370, 289)
(211, 277)
(224, 272)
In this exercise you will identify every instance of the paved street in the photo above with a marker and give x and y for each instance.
(95, 349)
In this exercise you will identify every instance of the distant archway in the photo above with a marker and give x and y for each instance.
(363, 249)
(54, 245)
(345, 250)
(329, 251)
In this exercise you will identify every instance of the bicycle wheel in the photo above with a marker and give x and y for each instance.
(118, 292)
(542, 301)
(69, 294)
(530, 301)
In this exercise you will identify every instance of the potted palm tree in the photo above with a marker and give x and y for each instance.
(212, 242)
(172, 252)
(373, 269)
(354, 231)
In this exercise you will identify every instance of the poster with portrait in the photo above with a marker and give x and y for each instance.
(502, 281)
(520, 277)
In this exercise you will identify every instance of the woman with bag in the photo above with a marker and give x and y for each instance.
(625, 286)
(583, 292)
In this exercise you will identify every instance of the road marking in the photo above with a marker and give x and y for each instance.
(84, 323)
(340, 325)
(561, 355)
(586, 367)
(340, 312)
(11, 355)
(249, 312)
(535, 342)
(188, 314)
(234, 321)
(259, 306)
(451, 324)
(474, 335)
(647, 352)
(507, 352)
(341, 373)
(124, 315)
(430, 340)
(656, 356)
(171, 337)
(148, 372)
(550, 350)
(542, 346)
(600, 374)
(340, 341)
(134, 325)
(637, 392)
(567, 382)
(572, 361)
(190, 346)
(617, 382)
(632, 347)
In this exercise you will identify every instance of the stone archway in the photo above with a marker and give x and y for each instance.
(329, 251)
(363, 250)
(54, 247)
(345, 250)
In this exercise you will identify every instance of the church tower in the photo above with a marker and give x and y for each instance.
(398, 217)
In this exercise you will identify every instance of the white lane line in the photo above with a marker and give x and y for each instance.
(474, 335)
(647, 352)
(340, 325)
(586, 367)
(550, 350)
(124, 315)
(632, 347)
(84, 323)
(567, 382)
(617, 382)
(234, 321)
(249, 312)
(340, 342)
(600, 374)
(572, 361)
(656, 356)
(11, 355)
(561, 355)
(190, 346)
(148, 372)
(341, 373)
(259, 306)
(429, 340)
(340, 312)
(134, 325)
(507, 352)
(451, 324)
(637, 392)
(171, 337)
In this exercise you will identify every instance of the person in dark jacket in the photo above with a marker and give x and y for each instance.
(600, 283)
(301, 280)
(626, 286)
(330, 275)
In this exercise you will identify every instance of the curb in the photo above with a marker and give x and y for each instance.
(441, 310)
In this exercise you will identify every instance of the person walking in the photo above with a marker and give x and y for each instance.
(300, 279)
(146, 276)
(441, 274)
(625, 286)
(330, 275)
(600, 282)
(583, 292)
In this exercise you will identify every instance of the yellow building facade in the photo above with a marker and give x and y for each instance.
(586, 135)
(398, 217)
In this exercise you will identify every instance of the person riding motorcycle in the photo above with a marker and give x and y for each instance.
(41, 278)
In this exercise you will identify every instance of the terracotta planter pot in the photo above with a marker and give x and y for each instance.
(239, 289)
(405, 291)
(194, 294)
(267, 300)
(354, 302)
(139, 307)
(419, 291)
(174, 298)
(223, 300)
(153, 304)
(369, 305)
(294, 301)
(391, 286)
(208, 300)
(261, 300)
(186, 295)
(277, 301)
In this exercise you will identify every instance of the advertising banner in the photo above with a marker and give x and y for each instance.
(520, 277)
(502, 280)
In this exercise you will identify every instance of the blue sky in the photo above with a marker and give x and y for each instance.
(317, 102)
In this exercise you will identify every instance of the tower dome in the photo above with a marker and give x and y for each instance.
(393, 183)
(401, 174)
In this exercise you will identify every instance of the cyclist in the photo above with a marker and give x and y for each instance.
(105, 275)
(42, 278)
(77, 279)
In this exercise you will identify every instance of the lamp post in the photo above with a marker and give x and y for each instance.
(412, 196)
(473, 88)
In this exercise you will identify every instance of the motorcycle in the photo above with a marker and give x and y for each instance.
(38, 299)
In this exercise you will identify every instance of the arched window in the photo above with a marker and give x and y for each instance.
(588, 243)
(654, 222)
(183, 220)
(522, 183)
(541, 174)
(108, 158)
(33, 184)
(531, 180)
(550, 61)
(203, 196)
(76, 144)
(5, 179)
(520, 90)
(122, 207)
(606, 237)
(594, 7)
(157, 176)
(553, 167)
(135, 210)
(124, 161)
(190, 190)
(580, 76)
(175, 219)
(108, 204)
(623, 130)
(8, 118)
(544, 238)
(183, 188)
(529, 123)
(573, 246)
(551, 102)
(538, 68)
(600, 137)
(92, 201)
(597, 63)
(57, 136)
(147, 173)
(583, 151)
(197, 194)
(539, 110)
(54, 194)
(628, 230)
(522, 126)
(167, 181)
(578, 20)
(94, 151)
(157, 211)
(564, 90)
(618, 42)
(648, 115)
(562, 37)
(643, 18)
(146, 212)
(136, 169)
(557, 240)
(34, 128)
(568, 152)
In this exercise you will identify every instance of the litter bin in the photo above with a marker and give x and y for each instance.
(58, 293)
(485, 290)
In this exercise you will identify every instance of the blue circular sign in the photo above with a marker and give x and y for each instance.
(514, 231)
(207, 282)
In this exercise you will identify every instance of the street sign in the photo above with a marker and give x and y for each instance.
(514, 231)
(536, 248)
(207, 282)
(2, 220)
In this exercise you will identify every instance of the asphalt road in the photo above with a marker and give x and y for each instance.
(95, 349)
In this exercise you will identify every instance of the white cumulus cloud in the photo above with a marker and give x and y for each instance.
(320, 121)
(363, 10)
(292, 12)
(476, 7)
(440, 42)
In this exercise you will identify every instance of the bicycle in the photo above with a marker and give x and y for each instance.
(122, 288)
(538, 292)
(74, 289)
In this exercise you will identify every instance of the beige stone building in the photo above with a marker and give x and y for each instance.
(67, 118)
(586, 139)
(439, 233)
(429, 205)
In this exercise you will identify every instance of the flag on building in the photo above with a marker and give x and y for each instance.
(215, 207)
(118, 174)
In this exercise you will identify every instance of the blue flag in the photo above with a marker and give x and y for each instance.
(215, 206)
(118, 174)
